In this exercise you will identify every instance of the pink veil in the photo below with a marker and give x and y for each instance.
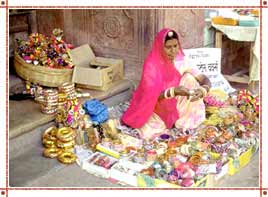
(158, 75)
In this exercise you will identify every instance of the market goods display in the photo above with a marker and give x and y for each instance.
(219, 147)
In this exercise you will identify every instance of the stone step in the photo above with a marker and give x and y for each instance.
(27, 166)
(26, 114)
(16, 84)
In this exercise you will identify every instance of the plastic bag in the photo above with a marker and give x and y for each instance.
(98, 111)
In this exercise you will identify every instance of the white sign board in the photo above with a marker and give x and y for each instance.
(208, 61)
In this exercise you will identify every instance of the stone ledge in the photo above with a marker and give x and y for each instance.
(26, 115)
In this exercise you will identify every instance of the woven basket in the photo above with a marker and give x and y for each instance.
(41, 75)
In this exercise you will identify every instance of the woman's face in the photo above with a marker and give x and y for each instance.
(171, 49)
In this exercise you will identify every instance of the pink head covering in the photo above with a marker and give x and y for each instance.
(158, 74)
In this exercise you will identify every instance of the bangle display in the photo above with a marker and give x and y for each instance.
(165, 94)
(172, 92)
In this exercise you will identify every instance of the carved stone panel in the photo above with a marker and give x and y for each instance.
(47, 20)
(189, 23)
(18, 28)
(109, 32)
(122, 33)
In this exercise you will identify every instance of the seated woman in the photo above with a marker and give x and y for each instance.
(170, 91)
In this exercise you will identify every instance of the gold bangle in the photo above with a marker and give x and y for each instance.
(49, 143)
(67, 85)
(49, 137)
(168, 93)
(48, 104)
(68, 149)
(50, 92)
(69, 144)
(68, 139)
(50, 101)
(165, 93)
(49, 111)
(172, 92)
(50, 133)
(62, 97)
(45, 107)
(67, 157)
(64, 132)
(67, 90)
(51, 98)
(51, 152)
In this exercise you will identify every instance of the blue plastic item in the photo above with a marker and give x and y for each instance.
(101, 117)
(98, 111)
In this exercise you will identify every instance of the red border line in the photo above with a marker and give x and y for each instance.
(7, 92)
(261, 102)
(135, 188)
(121, 7)
(92, 7)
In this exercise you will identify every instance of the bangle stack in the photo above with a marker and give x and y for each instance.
(169, 93)
(50, 102)
(59, 143)
(69, 90)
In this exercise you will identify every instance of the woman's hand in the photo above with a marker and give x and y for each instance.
(197, 94)
(182, 91)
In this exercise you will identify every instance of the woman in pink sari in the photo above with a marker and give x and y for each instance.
(170, 91)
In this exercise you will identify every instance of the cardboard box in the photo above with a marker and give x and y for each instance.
(90, 166)
(223, 172)
(126, 172)
(235, 165)
(95, 72)
(214, 180)
(147, 181)
(82, 153)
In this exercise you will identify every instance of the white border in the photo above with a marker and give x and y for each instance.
(124, 3)
(125, 193)
(264, 98)
(134, 3)
(3, 97)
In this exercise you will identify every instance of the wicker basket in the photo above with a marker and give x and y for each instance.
(41, 75)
